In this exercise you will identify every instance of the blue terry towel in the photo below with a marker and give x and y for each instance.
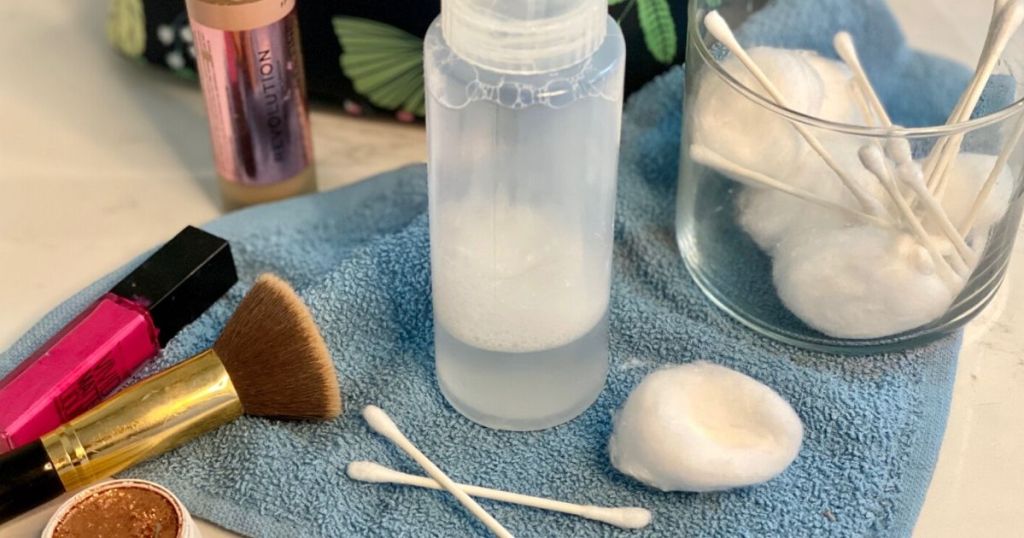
(359, 258)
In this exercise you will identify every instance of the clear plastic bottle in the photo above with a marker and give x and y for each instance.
(524, 102)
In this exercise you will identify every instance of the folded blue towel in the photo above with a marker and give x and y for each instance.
(359, 256)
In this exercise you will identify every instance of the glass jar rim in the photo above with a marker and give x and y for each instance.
(1008, 111)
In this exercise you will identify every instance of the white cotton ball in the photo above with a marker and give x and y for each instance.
(747, 133)
(769, 216)
(838, 103)
(860, 282)
(704, 427)
(967, 176)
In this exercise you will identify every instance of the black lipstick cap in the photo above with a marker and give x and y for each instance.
(27, 480)
(181, 280)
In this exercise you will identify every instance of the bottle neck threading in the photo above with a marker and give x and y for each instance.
(524, 36)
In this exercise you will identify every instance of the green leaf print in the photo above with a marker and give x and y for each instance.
(126, 27)
(384, 63)
(659, 29)
(615, 2)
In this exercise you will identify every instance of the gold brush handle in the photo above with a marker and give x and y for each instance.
(151, 417)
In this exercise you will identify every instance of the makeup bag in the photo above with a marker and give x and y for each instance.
(341, 41)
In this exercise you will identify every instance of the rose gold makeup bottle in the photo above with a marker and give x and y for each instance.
(250, 68)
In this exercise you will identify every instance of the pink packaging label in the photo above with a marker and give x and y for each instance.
(75, 369)
(254, 87)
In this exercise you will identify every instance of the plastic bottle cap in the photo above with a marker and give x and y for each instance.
(524, 36)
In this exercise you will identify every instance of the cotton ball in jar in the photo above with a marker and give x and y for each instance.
(860, 282)
(746, 132)
(704, 427)
(769, 216)
(967, 176)
(838, 103)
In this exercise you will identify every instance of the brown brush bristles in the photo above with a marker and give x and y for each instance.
(275, 356)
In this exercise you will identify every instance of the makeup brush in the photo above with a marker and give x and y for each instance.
(270, 360)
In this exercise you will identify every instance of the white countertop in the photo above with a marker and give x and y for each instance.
(101, 158)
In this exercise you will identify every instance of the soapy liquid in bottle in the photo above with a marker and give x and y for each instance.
(521, 319)
(522, 191)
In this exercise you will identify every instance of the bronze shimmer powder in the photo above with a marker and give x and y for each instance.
(121, 512)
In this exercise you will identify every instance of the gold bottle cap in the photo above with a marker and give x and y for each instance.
(238, 15)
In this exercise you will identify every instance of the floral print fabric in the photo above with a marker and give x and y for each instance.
(366, 55)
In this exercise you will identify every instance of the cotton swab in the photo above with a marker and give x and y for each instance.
(626, 518)
(381, 423)
(997, 8)
(1007, 22)
(990, 182)
(872, 159)
(897, 148)
(911, 175)
(719, 28)
(1013, 18)
(932, 161)
(843, 43)
(708, 157)
(862, 104)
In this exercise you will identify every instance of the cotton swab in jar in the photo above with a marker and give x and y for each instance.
(381, 423)
(939, 148)
(1007, 22)
(997, 8)
(911, 175)
(898, 148)
(968, 175)
(719, 28)
(1010, 21)
(990, 182)
(872, 158)
(862, 104)
(708, 157)
(843, 43)
(625, 518)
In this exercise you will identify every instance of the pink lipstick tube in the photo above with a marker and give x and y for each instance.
(106, 343)
(250, 68)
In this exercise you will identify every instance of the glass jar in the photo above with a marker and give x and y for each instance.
(815, 218)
